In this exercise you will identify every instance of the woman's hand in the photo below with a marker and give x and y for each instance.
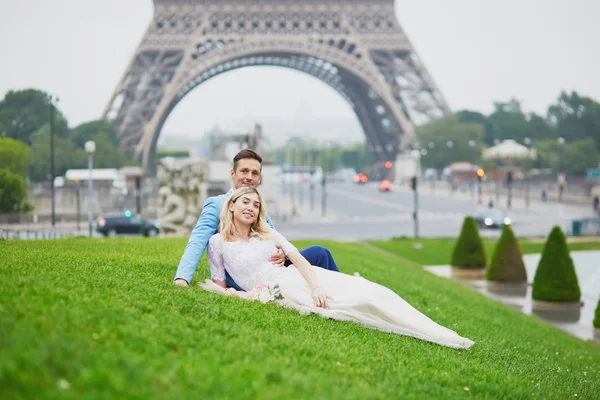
(320, 297)
(232, 292)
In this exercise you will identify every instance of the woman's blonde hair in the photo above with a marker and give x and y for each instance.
(260, 228)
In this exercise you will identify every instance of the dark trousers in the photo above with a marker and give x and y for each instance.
(315, 255)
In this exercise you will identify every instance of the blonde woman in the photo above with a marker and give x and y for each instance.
(245, 241)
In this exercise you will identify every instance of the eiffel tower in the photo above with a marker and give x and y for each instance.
(355, 46)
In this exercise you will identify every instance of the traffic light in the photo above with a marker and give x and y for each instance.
(388, 164)
(413, 183)
(480, 173)
(509, 177)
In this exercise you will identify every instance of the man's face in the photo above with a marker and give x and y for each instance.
(246, 174)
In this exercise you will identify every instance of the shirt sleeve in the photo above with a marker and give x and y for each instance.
(286, 246)
(270, 222)
(207, 225)
(215, 258)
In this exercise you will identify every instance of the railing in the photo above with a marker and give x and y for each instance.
(27, 234)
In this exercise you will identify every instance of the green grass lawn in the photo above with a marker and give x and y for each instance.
(439, 251)
(84, 318)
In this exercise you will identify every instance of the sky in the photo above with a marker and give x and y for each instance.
(478, 52)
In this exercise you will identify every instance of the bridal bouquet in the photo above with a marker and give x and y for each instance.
(265, 293)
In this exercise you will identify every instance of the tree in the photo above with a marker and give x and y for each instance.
(576, 117)
(597, 316)
(509, 122)
(555, 277)
(88, 130)
(507, 262)
(24, 112)
(468, 250)
(434, 137)
(550, 154)
(13, 155)
(574, 158)
(581, 155)
(539, 128)
(467, 116)
(13, 191)
(66, 156)
(355, 156)
(107, 155)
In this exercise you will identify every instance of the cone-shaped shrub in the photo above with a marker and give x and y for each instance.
(597, 318)
(468, 250)
(507, 262)
(555, 277)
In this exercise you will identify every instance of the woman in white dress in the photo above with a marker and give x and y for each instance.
(244, 244)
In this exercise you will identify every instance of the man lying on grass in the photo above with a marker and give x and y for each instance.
(244, 243)
(247, 167)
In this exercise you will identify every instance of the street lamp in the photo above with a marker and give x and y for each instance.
(496, 173)
(561, 173)
(52, 189)
(90, 148)
(527, 142)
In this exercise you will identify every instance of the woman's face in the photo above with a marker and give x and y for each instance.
(246, 209)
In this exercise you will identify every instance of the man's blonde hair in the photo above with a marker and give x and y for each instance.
(260, 228)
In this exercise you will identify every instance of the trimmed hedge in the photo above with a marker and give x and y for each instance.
(597, 317)
(468, 250)
(555, 277)
(507, 262)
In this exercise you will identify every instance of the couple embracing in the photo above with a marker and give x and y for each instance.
(245, 250)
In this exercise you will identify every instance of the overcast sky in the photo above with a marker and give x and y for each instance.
(478, 51)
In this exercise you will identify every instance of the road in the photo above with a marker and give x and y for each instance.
(359, 212)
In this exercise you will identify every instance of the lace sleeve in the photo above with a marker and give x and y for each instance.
(215, 258)
(285, 245)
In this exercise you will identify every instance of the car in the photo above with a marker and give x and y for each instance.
(360, 178)
(385, 186)
(491, 218)
(125, 223)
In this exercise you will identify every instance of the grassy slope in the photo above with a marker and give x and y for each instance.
(104, 316)
(439, 251)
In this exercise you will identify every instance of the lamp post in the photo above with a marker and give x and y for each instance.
(496, 191)
(52, 188)
(527, 142)
(472, 145)
(431, 146)
(561, 173)
(90, 148)
(450, 144)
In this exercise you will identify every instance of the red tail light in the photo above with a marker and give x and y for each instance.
(101, 221)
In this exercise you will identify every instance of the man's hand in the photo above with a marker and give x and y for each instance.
(278, 258)
(181, 282)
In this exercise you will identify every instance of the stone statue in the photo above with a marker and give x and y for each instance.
(182, 192)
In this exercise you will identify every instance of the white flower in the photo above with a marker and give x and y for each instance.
(467, 389)
(265, 296)
(63, 384)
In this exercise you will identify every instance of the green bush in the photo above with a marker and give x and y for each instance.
(555, 277)
(468, 250)
(597, 318)
(13, 191)
(507, 262)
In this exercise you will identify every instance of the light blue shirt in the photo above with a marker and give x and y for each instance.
(207, 225)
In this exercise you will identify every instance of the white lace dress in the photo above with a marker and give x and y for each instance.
(354, 298)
